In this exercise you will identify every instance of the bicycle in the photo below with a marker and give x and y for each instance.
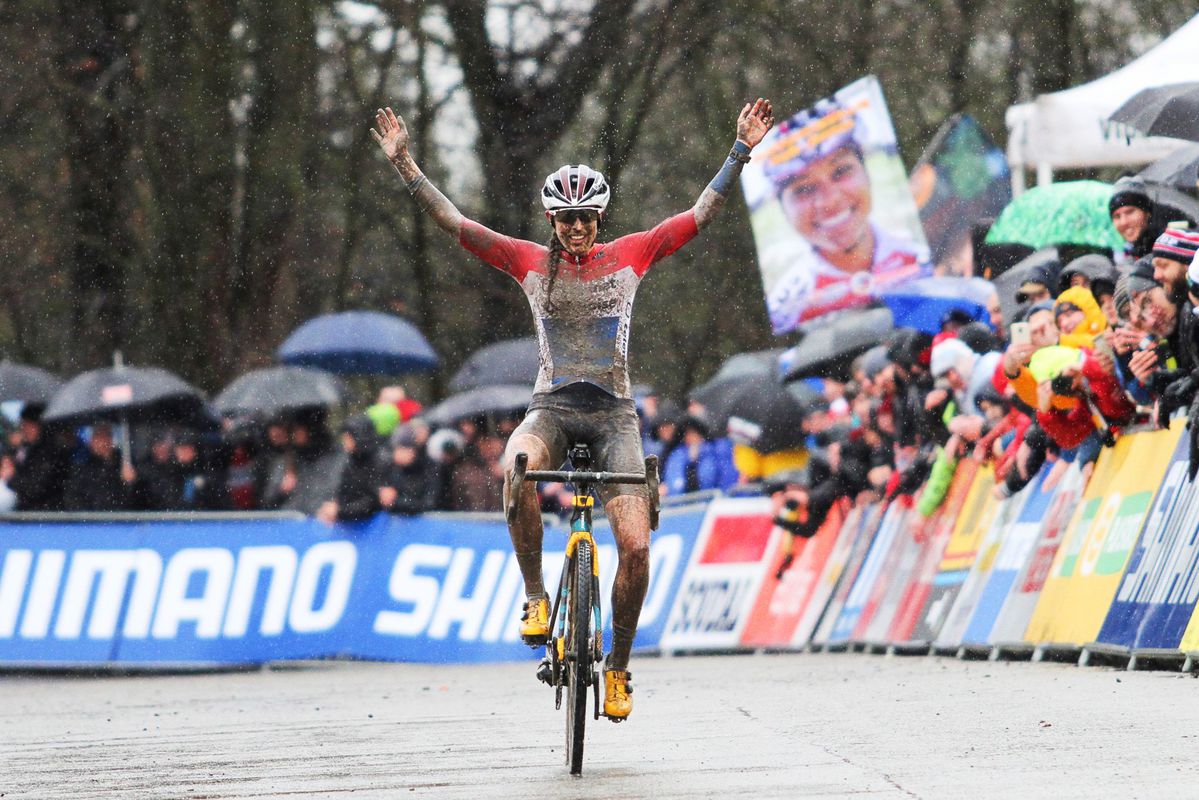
(576, 642)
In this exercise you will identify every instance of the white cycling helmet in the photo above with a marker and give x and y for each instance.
(575, 187)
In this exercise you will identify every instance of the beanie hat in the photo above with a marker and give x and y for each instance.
(1130, 192)
(1140, 277)
(1176, 244)
(950, 354)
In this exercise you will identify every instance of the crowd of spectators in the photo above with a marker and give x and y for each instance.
(1100, 343)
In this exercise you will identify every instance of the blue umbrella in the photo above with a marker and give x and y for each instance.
(358, 343)
(923, 303)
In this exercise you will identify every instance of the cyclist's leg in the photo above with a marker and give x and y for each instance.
(618, 449)
(629, 515)
(541, 438)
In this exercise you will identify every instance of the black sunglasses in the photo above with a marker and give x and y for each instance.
(571, 215)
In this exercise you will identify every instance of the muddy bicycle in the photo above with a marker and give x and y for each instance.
(576, 642)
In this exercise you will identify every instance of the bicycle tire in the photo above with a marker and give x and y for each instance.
(579, 658)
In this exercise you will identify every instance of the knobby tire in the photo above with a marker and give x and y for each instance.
(579, 658)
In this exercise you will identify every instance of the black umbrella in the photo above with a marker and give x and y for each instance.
(1045, 263)
(756, 411)
(274, 390)
(128, 394)
(26, 384)
(1180, 169)
(759, 362)
(358, 343)
(1171, 111)
(828, 350)
(481, 401)
(1173, 204)
(512, 361)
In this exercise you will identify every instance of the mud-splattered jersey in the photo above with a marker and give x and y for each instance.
(583, 329)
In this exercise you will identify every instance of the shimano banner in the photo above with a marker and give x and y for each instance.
(434, 588)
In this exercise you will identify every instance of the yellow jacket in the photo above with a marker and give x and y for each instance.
(1092, 326)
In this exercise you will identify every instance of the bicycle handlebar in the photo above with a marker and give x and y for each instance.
(570, 476)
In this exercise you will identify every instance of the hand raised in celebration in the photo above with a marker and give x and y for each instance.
(754, 121)
(392, 134)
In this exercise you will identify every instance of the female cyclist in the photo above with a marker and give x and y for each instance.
(581, 293)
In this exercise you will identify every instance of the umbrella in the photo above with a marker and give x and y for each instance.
(1171, 111)
(1046, 260)
(1072, 212)
(128, 394)
(512, 361)
(922, 303)
(828, 350)
(758, 362)
(271, 391)
(358, 343)
(1180, 169)
(482, 400)
(756, 411)
(1172, 204)
(26, 384)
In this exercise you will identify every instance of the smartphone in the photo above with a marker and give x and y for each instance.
(1020, 333)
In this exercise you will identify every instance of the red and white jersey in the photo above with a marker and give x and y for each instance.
(815, 287)
(583, 328)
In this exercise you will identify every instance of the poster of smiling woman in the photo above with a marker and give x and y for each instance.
(834, 221)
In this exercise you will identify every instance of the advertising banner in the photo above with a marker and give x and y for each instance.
(1003, 515)
(897, 566)
(1103, 532)
(969, 528)
(434, 588)
(830, 577)
(1015, 549)
(1157, 595)
(961, 178)
(863, 537)
(851, 615)
(833, 217)
(781, 603)
(935, 535)
(1022, 599)
(727, 568)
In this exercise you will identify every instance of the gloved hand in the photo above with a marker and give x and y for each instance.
(1178, 395)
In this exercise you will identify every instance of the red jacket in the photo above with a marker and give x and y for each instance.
(1070, 427)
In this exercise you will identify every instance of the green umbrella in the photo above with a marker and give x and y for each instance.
(1073, 212)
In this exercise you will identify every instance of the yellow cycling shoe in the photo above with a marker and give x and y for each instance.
(618, 694)
(535, 624)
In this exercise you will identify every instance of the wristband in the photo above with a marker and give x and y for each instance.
(414, 184)
(740, 152)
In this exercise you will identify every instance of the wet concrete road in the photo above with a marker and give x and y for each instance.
(783, 726)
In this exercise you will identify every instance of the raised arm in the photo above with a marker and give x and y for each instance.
(392, 138)
(752, 124)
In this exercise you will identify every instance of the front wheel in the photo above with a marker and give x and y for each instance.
(580, 666)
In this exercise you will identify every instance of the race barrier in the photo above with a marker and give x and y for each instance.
(1099, 566)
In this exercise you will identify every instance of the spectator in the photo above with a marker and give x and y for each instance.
(309, 472)
(357, 494)
(192, 484)
(1132, 213)
(1173, 252)
(410, 482)
(102, 482)
(445, 450)
(37, 469)
(697, 463)
(477, 480)
(1080, 321)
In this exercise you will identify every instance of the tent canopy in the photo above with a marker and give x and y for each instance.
(1071, 129)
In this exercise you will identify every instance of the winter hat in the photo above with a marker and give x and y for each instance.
(1093, 267)
(1130, 192)
(1177, 245)
(1140, 278)
(979, 337)
(952, 354)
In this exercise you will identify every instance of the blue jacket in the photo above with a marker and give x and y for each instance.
(714, 467)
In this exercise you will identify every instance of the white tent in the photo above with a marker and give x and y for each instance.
(1071, 128)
